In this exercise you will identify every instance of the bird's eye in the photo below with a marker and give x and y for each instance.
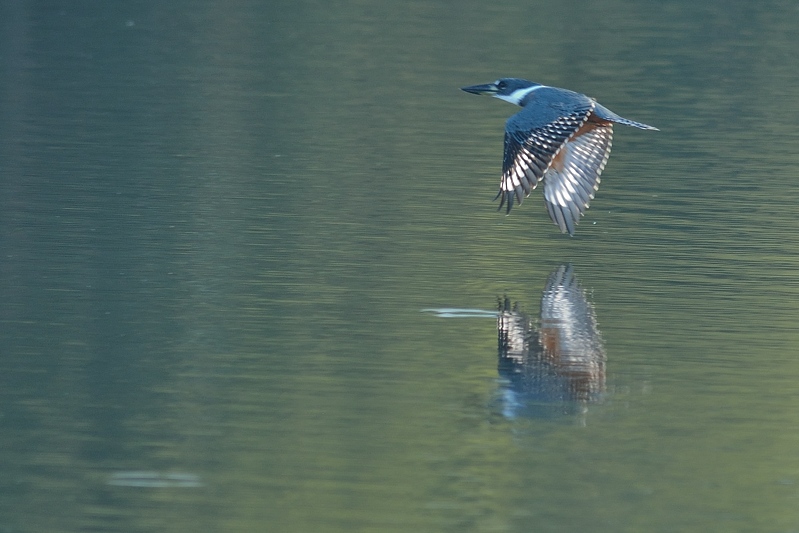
(500, 85)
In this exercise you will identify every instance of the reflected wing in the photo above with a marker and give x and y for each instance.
(573, 177)
(570, 335)
(533, 137)
(568, 320)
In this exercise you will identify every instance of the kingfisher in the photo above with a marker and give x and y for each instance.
(560, 137)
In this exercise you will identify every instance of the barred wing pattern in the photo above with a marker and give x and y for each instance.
(562, 148)
(573, 178)
(531, 145)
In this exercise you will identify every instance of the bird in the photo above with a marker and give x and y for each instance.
(560, 137)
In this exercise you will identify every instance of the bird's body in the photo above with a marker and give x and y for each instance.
(561, 137)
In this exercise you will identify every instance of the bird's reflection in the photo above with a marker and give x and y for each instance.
(555, 365)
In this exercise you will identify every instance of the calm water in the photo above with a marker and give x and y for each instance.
(220, 225)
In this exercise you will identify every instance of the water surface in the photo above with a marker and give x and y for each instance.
(220, 224)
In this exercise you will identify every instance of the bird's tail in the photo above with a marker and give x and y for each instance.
(605, 113)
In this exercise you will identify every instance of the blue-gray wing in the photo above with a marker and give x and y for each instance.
(533, 137)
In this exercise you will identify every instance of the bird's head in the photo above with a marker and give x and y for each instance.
(511, 90)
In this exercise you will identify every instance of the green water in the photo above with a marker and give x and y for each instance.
(220, 224)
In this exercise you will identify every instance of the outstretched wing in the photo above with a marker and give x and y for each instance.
(573, 176)
(533, 137)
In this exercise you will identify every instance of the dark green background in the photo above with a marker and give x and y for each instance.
(220, 221)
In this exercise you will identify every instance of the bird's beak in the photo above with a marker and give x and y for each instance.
(489, 89)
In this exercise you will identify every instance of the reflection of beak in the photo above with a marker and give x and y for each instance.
(488, 89)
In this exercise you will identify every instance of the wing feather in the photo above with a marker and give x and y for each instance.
(570, 185)
(533, 138)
